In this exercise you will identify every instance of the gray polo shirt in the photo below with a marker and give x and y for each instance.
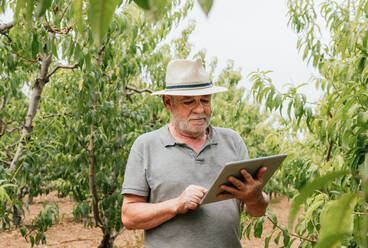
(162, 168)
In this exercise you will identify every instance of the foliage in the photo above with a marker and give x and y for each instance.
(331, 134)
(89, 59)
(80, 131)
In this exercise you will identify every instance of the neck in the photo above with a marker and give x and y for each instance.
(180, 135)
(195, 141)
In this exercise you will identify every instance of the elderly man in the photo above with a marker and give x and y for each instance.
(169, 171)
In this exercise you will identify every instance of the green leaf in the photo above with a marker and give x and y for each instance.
(267, 242)
(286, 235)
(43, 5)
(34, 45)
(157, 9)
(144, 4)
(276, 240)
(206, 5)
(248, 229)
(337, 220)
(29, 11)
(308, 189)
(77, 9)
(100, 13)
(258, 227)
(18, 8)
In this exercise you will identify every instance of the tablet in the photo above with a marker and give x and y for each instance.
(233, 169)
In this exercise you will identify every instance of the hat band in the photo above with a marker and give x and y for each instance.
(188, 86)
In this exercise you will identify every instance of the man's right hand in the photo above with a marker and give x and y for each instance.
(190, 199)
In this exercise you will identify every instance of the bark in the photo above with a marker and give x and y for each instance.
(33, 106)
(5, 27)
(107, 241)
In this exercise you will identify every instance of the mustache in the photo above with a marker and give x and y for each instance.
(199, 116)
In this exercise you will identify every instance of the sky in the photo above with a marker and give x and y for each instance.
(254, 34)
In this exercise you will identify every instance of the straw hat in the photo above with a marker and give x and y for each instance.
(188, 78)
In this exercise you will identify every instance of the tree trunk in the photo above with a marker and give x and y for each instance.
(107, 241)
(32, 108)
(92, 165)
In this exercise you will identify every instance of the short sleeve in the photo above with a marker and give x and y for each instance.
(135, 181)
(243, 151)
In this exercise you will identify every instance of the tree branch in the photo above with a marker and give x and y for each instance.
(40, 82)
(53, 29)
(2, 128)
(24, 58)
(291, 234)
(66, 8)
(100, 52)
(137, 90)
(5, 162)
(55, 115)
(5, 27)
(61, 67)
(3, 102)
(329, 151)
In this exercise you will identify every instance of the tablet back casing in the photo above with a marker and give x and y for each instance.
(233, 169)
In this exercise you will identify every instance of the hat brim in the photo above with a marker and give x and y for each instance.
(191, 92)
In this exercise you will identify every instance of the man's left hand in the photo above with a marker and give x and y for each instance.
(249, 191)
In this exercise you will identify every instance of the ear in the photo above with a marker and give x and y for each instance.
(167, 102)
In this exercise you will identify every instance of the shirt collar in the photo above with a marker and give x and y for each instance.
(168, 140)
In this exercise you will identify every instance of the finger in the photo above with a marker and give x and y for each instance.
(204, 190)
(192, 205)
(195, 199)
(236, 182)
(225, 196)
(247, 177)
(260, 173)
(197, 188)
(229, 189)
(198, 193)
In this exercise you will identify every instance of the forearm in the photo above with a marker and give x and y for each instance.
(258, 208)
(143, 215)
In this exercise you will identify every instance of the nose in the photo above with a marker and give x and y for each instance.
(199, 108)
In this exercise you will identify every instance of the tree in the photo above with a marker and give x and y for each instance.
(77, 81)
(334, 142)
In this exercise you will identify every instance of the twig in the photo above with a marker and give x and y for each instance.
(291, 234)
(2, 128)
(61, 67)
(24, 58)
(137, 90)
(7, 151)
(5, 162)
(55, 115)
(66, 8)
(329, 151)
(3, 102)
(360, 213)
(99, 58)
(53, 29)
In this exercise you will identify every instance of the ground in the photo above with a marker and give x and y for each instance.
(69, 234)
